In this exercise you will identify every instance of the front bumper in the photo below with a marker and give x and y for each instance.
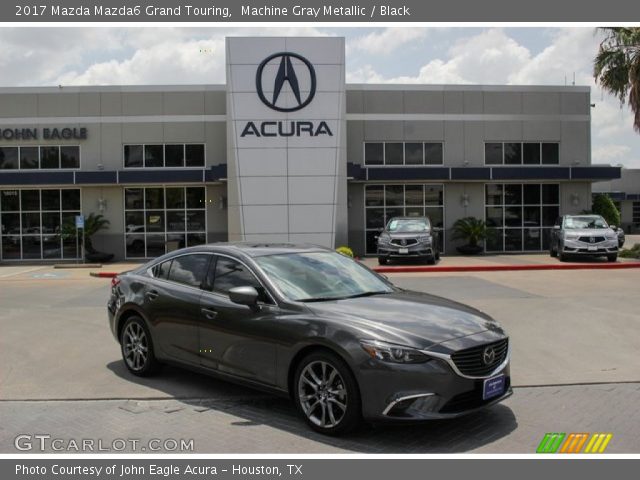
(425, 391)
(576, 247)
(397, 251)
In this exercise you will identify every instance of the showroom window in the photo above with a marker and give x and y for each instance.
(636, 213)
(161, 217)
(162, 155)
(43, 157)
(33, 221)
(403, 153)
(520, 216)
(521, 153)
(382, 202)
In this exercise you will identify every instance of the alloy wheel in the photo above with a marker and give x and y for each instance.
(322, 394)
(135, 346)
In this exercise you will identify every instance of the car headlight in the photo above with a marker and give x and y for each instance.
(424, 239)
(384, 240)
(612, 236)
(388, 352)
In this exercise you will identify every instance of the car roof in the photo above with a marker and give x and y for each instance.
(258, 249)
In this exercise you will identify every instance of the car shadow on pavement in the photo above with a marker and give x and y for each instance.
(210, 396)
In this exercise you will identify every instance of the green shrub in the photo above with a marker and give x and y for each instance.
(633, 252)
(346, 251)
(604, 206)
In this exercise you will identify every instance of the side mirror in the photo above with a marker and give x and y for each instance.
(556, 227)
(244, 296)
(613, 227)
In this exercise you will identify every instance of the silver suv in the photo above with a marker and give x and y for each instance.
(583, 235)
(408, 237)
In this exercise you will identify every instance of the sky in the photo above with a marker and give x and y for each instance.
(452, 55)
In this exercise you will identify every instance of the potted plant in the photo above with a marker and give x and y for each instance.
(92, 224)
(473, 231)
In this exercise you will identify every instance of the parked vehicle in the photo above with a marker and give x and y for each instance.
(310, 323)
(586, 235)
(621, 235)
(408, 237)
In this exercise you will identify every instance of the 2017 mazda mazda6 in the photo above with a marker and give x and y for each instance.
(342, 341)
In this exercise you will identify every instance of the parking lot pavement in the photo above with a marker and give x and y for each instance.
(567, 327)
(249, 422)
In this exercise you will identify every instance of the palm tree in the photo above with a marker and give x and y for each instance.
(473, 231)
(617, 66)
(92, 224)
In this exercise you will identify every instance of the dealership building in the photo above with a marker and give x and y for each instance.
(287, 151)
(625, 192)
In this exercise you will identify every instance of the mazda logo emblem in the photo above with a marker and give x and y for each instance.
(488, 356)
(286, 74)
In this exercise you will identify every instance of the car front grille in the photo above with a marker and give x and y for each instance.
(471, 361)
(404, 242)
(588, 239)
(471, 399)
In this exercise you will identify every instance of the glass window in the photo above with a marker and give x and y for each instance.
(550, 153)
(373, 154)
(153, 156)
(195, 197)
(10, 223)
(493, 153)
(154, 197)
(133, 156)
(532, 238)
(394, 195)
(49, 157)
(531, 194)
(414, 195)
(513, 194)
(413, 154)
(70, 157)
(176, 221)
(175, 198)
(30, 200)
(51, 200)
(9, 158)
(70, 199)
(513, 239)
(162, 270)
(433, 154)
(230, 273)
(29, 157)
(532, 216)
(10, 201)
(393, 154)
(154, 221)
(433, 195)
(531, 153)
(513, 216)
(194, 156)
(375, 218)
(133, 198)
(189, 269)
(174, 155)
(512, 153)
(374, 195)
(494, 194)
(494, 216)
(550, 194)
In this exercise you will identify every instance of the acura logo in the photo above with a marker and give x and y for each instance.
(488, 356)
(403, 242)
(592, 239)
(286, 74)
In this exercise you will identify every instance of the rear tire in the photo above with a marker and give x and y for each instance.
(613, 257)
(382, 261)
(326, 394)
(553, 253)
(430, 260)
(562, 257)
(137, 348)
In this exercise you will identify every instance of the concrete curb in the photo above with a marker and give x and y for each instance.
(103, 274)
(506, 268)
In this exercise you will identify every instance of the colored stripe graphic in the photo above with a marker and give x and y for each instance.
(598, 443)
(573, 442)
(550, 442)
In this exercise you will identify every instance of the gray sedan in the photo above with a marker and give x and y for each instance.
(314, 325)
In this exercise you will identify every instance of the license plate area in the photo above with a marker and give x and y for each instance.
(403, 251)
(592, 248)
(493, 387)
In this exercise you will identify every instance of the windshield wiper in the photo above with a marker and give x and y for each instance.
(321, 299)
(369, 294)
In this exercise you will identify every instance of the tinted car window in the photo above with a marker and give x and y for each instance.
(230, 273)
(162, 270)
(189, 269)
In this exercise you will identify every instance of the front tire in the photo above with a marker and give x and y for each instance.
(613, 257)
(382, 261)
(137, 348)
(326, 394)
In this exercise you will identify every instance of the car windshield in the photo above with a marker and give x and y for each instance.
(578, 223)
(408, 225)
(320, 276)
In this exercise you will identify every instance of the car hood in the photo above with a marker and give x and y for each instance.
(407, 318)
(401, 235)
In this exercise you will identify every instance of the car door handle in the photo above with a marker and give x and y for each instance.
(152, 294)
(209, 313)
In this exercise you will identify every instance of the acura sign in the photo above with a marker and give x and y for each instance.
(286, 73)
